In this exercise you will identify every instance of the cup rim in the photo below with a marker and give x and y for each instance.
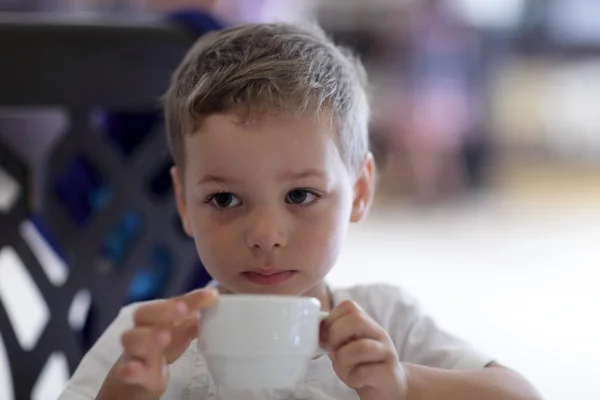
(267, 298)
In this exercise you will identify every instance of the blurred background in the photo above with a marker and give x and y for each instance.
(486, 131)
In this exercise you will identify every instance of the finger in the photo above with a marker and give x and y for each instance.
(352, 327)
(182, 335)
(199, 299)
(343, 309)
(145, 344)
(187, 327)
(363, 351)
(160, 313)
(131, 371)
(346, 307)
(365, 375)
(154, 380)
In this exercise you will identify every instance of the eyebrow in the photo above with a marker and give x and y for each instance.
(309, 173)
(215, 179)
(286, 176)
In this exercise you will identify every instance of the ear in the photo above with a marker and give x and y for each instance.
(178, 186)
(364, 189)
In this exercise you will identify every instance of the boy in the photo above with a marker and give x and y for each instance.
(268, 125)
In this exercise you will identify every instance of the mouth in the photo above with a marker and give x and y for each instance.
(268, 278)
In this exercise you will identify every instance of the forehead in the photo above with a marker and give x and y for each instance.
(224, 143)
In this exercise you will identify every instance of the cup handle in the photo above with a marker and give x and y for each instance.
(321, 351)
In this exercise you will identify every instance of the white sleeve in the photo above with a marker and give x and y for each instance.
(424, 343)
(417, 338)
(95, 365)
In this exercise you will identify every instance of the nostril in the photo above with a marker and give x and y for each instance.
(258, 246)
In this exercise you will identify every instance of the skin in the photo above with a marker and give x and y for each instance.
(259, 166)
(274, 194)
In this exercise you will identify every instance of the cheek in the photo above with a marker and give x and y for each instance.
(323, 234)
(213, 238)
(215, 251)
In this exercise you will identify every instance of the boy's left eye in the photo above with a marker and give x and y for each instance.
(301, 197)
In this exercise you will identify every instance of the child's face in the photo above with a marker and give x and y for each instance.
(268, 203)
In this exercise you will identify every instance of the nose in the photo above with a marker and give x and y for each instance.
(266, 231)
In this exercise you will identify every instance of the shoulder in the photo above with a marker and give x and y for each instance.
(124, 319)
(383, 302)
(374, 295)
(109, 342)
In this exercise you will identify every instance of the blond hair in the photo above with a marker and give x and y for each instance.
(256, 68)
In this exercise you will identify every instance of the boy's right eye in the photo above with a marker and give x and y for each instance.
(224, 200)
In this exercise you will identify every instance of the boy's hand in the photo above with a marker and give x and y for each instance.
(363, 355)
(162, 332)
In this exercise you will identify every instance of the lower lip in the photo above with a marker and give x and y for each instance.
(269, 280)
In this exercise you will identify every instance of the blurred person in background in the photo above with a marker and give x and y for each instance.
(242, 11)
(443, 106)
(94, 7)
(169, 5)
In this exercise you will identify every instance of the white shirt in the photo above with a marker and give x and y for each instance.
(416, 337)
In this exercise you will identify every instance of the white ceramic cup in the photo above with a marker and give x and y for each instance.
(260, 341)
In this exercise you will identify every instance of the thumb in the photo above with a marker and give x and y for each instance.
(199, 299)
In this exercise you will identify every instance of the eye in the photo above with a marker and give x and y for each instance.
(301, 197)
(224, 200)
